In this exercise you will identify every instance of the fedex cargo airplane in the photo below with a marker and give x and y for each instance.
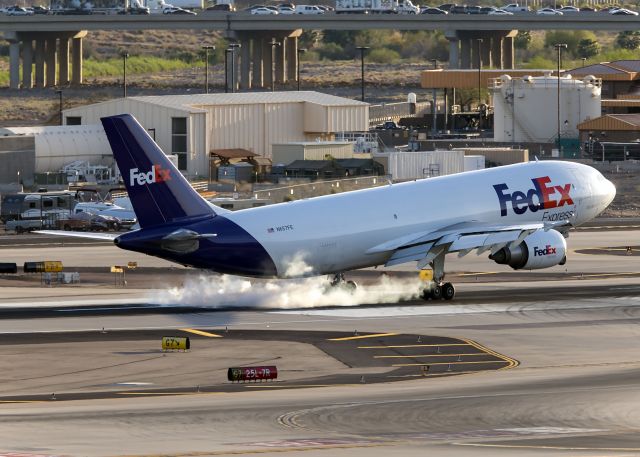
(519, 214)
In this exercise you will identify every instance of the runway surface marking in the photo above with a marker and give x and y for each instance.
(447, 363)
(412, 346)
(200, 332)
(293, 447)
(512, 362)
(362, 337)
(474, 354)
(557, 448)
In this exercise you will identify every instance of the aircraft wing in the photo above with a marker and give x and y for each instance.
(91, 235)
(423, 247)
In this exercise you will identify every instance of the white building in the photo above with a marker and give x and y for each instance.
(194, 126)
(57, 146)
(525, 109)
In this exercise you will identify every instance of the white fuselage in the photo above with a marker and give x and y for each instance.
(333, 233)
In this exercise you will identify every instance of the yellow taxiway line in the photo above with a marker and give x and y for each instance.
(362, 337)
(447, 363)
(475, 354)
(200, 332)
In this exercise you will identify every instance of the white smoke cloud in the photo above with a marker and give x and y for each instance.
(224, 291)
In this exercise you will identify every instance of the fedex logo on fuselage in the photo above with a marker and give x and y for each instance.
(542, 196)
(157, 174)
(547, 250)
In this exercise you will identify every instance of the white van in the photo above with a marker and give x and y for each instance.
(308, 9)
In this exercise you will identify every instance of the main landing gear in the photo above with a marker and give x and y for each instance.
(338, 280)
(435, 288)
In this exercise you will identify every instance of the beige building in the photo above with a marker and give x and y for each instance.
(191, 126)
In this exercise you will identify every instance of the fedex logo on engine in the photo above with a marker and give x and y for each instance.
(543, 196)
(157, 174)
(547, 250)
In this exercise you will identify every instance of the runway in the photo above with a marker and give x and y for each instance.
(573, 393)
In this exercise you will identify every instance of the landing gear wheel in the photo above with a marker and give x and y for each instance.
(436, 292)
(350, 285)
(448, 291)
(425, 294)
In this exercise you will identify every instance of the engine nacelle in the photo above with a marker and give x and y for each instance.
(539, 250)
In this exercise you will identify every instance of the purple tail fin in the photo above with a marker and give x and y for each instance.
(158, 191)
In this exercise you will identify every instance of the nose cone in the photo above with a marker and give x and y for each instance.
(609, 192)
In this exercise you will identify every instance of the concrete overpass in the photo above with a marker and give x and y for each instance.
(254, 33)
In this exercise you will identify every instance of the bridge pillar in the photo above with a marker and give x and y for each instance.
(50, 59)
(40, 63)
(14, 65)
(454, 52)
(76, 60)
(245, 64)
(267, 63)
(27, 64)
(257, 78)
(280, 55)
(292, 58)
(508, 52)
(465, 53)
(485, 52)
(63, 61)
(496, 51)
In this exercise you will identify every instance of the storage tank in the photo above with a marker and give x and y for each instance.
(525, 109)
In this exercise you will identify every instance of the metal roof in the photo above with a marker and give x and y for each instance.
(311, 165)
(196, 103)
(232, 153)
(620, 122)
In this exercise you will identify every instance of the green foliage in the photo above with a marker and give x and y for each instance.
(135, 65)
(571, 38)
(522, 39)
(383, 55)
(588, 48)
(540, 63)
(628, 40)
(331, 51)
(619, 54)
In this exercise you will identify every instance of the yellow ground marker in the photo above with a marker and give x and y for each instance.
(447, 363)
(415, 346)
(362, 337)
(200, 332)
(475, 354)
(512, 363)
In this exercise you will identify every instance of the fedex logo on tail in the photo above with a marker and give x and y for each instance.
(544, 195)
(157, 174)
(547, 250)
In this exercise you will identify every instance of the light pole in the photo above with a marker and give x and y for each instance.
(125, 56)
(59, 92)
(273, 44)
(300, 52)
(207, 48)
(233, 47)
(362, 49)
(479, 40)
(559, 47)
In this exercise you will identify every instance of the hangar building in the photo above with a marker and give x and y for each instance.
(194, 127)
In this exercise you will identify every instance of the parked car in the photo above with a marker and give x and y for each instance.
(433, 10)
(548, 12)
(263, 10)
(569, 9)
(389, 125)
(588, 9)
(135, 10)
(285, 10)
(487, 9)
(498, 12)
(97, 222)
(515, 8)
(176, 10)
(458, 9)
(18, 11)
(38, 9)
(473, 10)
(222, 7)
(623, 12)
(446, 7)
(308, 9)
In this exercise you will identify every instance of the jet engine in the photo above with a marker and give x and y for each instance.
(539, 250)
